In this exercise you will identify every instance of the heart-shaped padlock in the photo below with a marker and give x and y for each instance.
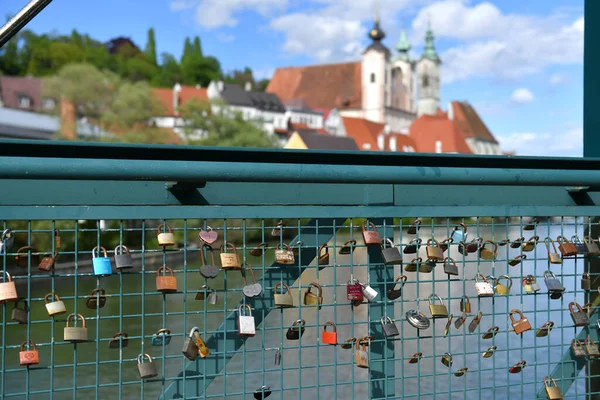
(209, 270)
(251, 290)
(208, 236)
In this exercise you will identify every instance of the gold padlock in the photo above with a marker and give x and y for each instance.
(361, 354)
(577, 347)
(314, 299)
(591, 347)
(465, 305)
(489, 352)
(437, 310)
(323, 256)
(545, 329)
(283, 299)
(284, 256)
(434, 251)
(165, 238)
(501, 289)
(553, 256)
(493, 331)
(8, 289)
(447, 359)
(230, 260)
(55, 307)
(521, 325)
(166, 283)
(76, 333)
(530, 244)
(552, 391)
(486, 253)
(56, 238)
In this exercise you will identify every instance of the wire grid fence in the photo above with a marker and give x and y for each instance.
(308, 368)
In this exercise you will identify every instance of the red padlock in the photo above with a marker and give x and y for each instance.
(354, 290)
(370, 237)
(329, 337)
(29, 357)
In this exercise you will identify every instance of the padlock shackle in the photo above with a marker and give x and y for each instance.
(228, 245)
(194, 330)
(26, 249)
(280, 224)
(327, 324)
(515, 311)
(244, 307)
(461, 225)
(372, 225)
(246, 267)
(4, 272)
(163, 330)
(142, 357)
(588, 240)
(6, 234)
(432, 298)
(494, 244)
(450, 260)
(547, 242)
(121, 247)
(389, 241)
(430, 242)
(416, 260)
(549, 273)
(54, 297)
(299, 322)
(167, 227)
(350, 242)
(508, 278)
(323, 246)
(548, 380)
(279, 246)
(447, 240)
(397, 282)
(165, 269)
(99, 290)
(23, 299)
(478, 316)
(534, 239)
(281, 284)
(482, 277)
(493, 330)
(520, 257)
(575, 304)
(75, 317)
(120, 334)
(203, 257)
(317, 286)
(29, 343)
(417, 222)
(96, 250)
(576, 239)
(385, 319)
(418, 241)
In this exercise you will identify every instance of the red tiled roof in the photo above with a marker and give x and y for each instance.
(428, 129)
(366, 132)
(469, 123)
(187, 93)
(320, 86)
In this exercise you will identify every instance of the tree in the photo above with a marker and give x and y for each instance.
(169, 74)
(188, 49)
(261, 85)
(151, 47)
(133, 105)
(9, 61)
(240, 77)
(215, 124)
(197, 46)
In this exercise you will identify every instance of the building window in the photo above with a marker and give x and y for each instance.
(425, 81)
(48, 104)
(372, 77)
(24, 101)
(438, 146)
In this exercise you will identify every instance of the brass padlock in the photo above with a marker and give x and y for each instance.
(190, 348)
(165, 238)
(493, 331)
(371, 237)
(323, 256)
(413, 246)
(166, 283)
(427, 266)
(55, 307)
(530, 244)
(361, 354)
(592, 246)
(97, 299)
(412, 229)
(552, 390)
(580, 317)
(57, 239)
(567, 249)
(120, 340)
(20, 314)
(437, 310)
(517, 260)
(208, 236)
(591, 348)
(553, 256)
(260, 249)
(486, 253)
(229, 260)
(413, 265)
(47, 263)
(314, 299)
(522, 324)
(483, 287)
(501, 289)
(296, 331)
(389, 327)
(348, 247)
(76, 333)
(433, 250)
(284, 256)
(465, 305)
(278, 229)
(475, 322)
(517, 243)
(24, 254)
(246, 325)
(283, 299)
(447, 359)
(586, 281)
(391, 255)
(448, 324)
(578, 349)
(415, 358)
(395, 291)
(545, 329)
(489, 352)
(460, 321)
(31, 356)
(147, 370)
(444, 244)
(461, 371)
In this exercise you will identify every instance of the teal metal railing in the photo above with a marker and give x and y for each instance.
(106, 195)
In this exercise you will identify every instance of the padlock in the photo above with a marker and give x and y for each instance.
(501, 289)
(518, 367)
(391, 255)
(444, 244)
(555, 288)
(412, 229)
(368, 292)
(208, 236)
(553, 256)
(461, 371)
(483, 287)
(24, 254)
(520, 325)
(161, 338)
(30, 356)
(552, 390)
(474, 245)
(486, 253)
(254, 289)
(489, 352)
(531, 224)
(246, 326)
(396, 290)
(190, 348)
(166, 283)
(459, 234)
(579, 316)
(460, 321)
(229, 260)
(545, 329)
(314, 299)
(493, 331)
(591, 348)
(578, 349)
(530, 284)
(147, 369)
(592, 246)
(587, 307)
(586, 281)
(284, 256)
(427, 266)
(389, 327)
(433, 250)
(348, 344)
(296, 247)
(517, 260)
(55, 307)
(278, 229)
(277, 357)
(47, 263)
(371, 237)
(517, 243)
(201, 295)
(348, 247)
(122, 257)
(323, 254)
(259, 249)
(448, 324)
(329, 337)
(413, 265)
(475, 322)
(437, 310)
(283, 299)
(530, 244)
(262, 392)
(413, 246)
(415, 358)
(102, 265)
(212, 297)
(20, 314)
(579, 245)
(354, 290)
(76, 333)
(296, 331)
(447, 359)
(465, 305)
(450, 266)
(208, 269)
(361, 355)
(567, 249)
(120, 340)
(7, 240)
(57, 238)
(165, 238)
(97, 299)
(417, 319)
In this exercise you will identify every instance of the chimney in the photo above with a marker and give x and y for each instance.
(248, 87)
(176, 91)
(393, 144)
(387, 129)
(220, 86)
(67, 120)
(381, 141)
(450, 111)
(198, 86)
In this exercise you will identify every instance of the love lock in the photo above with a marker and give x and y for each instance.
(254, 289)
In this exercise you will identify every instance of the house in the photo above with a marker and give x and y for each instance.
(307, 139)
(375, 136)
(24, 93)
(171, 101)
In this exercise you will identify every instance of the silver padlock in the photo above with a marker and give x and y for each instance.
(212, 297)
(368, 292)
(246, 326)
(7, 240)
(147, 369)
(484, 288)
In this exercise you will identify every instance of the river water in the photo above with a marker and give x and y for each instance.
(487, 378)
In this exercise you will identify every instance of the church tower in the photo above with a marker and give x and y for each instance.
(403, 94)
(428, 71)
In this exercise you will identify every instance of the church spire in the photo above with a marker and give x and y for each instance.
(376, 34)
(403, 46)
(429, 50)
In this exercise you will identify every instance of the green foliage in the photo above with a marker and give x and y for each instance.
(132, 105)
(169, 73)
(151, 47)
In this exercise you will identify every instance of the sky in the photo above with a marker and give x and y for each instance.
(519, 63)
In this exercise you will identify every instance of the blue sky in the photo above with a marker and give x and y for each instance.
(520, 63)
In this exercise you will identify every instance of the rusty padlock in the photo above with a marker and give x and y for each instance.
(166, 283)
(30, 356)
(530, 244)
(371, 237)
(24, 254)
(520, 325)
(48, 262)
(567, 249)
(323, 255)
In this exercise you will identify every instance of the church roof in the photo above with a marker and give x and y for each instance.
(429, 49)
(403, 46)
(469, 123)
(320, 86)
(429, 129)
(365, 133)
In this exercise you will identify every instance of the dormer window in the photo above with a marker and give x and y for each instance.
(24, 101)
(48, 104)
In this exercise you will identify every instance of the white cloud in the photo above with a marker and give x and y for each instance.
(522, 96)
(225, 37)
(568, 143)
(558, 78)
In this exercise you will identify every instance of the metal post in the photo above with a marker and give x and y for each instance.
(22, 18)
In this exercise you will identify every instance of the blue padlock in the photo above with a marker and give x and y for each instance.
(161, 338)
(459, 234)
(101, 265)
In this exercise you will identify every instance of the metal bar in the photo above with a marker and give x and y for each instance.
(22, 18)
(591, 86)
